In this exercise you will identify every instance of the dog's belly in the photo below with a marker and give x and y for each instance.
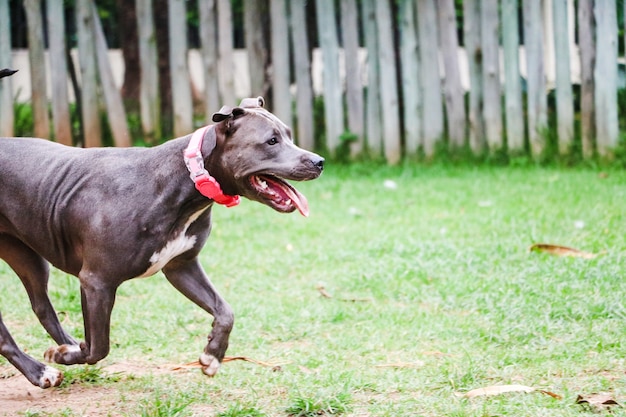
(172, 248)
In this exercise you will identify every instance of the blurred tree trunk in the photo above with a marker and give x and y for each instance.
(127, 21)
(514, 114)
(92, 131)
(564, 98)
(333, 106)
(452, 88)
(373, 131)
(58, 73)
(149, 97)
(181, 83)
(537, 101)
(116, 114)
(431, 79)
(37, 68)
(388, 83)
(587, 45)
(302, 67)
(256, 46)
(410, 77)
(7, 122)
(607, 128)
(492, 110)
(161, 21)
(354, 83)
(208, 38)
(225, 48)
(471, 30)
(281, 96)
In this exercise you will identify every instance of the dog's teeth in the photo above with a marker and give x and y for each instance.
(288, 202)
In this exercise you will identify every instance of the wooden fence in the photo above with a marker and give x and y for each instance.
(437, 74)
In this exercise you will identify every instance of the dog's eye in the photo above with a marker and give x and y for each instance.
(272, 141)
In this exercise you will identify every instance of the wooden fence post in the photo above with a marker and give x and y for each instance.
(333, 107)
(537, 101)
(388, 83)
(410, 78)
(373, 131)
(208, 38)
(607, 131)
(7, 122)
(116, 114)
(281, 102)
(302, 68)
(433, 130)
(36, 58)
(514, 113)
(92, 131)
(471, 30)
(564, 97)
(57, 54)
(149, 99)
(225, 48)
(586, 43)
(255, 45)
(452, 88)
(492, 111)
(354, 83)
(182, 105)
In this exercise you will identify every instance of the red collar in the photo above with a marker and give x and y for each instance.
(205, 183)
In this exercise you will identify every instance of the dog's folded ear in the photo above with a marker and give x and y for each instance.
(5, 72)
(247, 103)
(252, 102)
(226, 112)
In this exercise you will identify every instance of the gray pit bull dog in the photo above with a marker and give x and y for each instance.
(107, 215)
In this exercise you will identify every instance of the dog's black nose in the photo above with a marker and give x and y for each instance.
(319, 164)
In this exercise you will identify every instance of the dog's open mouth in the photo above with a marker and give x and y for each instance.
(279, 194)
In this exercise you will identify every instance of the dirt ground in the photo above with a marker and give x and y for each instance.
(18, 396)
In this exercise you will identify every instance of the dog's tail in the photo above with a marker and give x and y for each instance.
(6, 72)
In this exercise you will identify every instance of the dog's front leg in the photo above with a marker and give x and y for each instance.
(188, 277)
(97, 303)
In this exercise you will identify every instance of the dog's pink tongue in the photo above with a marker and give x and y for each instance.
(299, 200)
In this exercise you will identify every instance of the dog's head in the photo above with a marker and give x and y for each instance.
(255, 154)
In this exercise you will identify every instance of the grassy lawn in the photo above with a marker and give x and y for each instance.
(404, 289)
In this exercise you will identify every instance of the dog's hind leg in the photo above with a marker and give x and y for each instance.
(33, 271)
(36, 372)
(188, 277)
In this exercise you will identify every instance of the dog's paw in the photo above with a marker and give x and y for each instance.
(51, 377)
(63, 354)
(210, 364)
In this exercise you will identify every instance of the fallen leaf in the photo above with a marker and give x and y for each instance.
(436, 353)
(597, 401)
(561, 251)
(416, 364)
(497, 390)
(502, 389)
(323, 292)
(326, 294)
(551, 394)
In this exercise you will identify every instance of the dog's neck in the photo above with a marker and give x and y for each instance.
(204, 182)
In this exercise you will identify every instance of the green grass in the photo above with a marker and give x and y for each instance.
(434, 293)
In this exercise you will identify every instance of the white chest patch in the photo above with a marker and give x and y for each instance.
(180, 244)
